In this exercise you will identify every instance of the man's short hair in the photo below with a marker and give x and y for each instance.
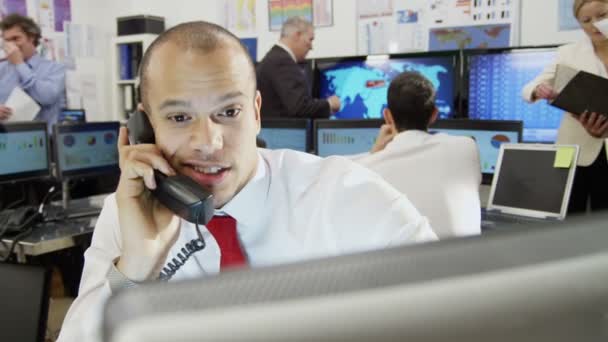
(294, 25)
(200, 36)
(411, 99)
(26, 24)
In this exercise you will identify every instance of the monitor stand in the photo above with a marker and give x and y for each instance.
(65, 194)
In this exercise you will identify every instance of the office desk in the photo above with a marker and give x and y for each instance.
(52, 236)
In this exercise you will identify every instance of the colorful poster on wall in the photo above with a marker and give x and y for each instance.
(12, 6)
(62, 12)
(470, 37)
(281, 10)
(239, 16)
(565, 17)
(323, 13)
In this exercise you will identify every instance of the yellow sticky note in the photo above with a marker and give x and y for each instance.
(564, 157)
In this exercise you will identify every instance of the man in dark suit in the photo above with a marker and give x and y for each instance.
(282, 83)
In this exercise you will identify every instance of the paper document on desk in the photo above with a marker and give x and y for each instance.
(23, 106)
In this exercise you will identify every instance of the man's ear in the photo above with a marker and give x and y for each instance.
(388, 118)
(257, 108)
(434, 116)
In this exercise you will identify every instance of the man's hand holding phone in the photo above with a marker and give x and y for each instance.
(148, 228)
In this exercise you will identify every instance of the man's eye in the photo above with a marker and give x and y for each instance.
(230, 113)
(179, 117)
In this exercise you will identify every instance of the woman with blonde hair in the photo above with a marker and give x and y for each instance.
(588, 130)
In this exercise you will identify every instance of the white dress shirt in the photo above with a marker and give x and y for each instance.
(296, 207)
(581, 56)
(440, 174)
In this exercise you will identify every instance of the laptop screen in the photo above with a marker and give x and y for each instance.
(25, 302)
(527, 179)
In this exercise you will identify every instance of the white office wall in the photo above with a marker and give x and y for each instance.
(338, 40)
(539, 24)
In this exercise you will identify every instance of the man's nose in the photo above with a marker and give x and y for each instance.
(206, 136)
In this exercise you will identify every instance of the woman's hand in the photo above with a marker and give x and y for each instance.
(595, 124)
(544, 91)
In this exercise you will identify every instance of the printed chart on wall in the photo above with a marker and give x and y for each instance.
(12, 6)
(393, 26)
(239, 16)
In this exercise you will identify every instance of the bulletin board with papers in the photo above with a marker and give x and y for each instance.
(395, 26)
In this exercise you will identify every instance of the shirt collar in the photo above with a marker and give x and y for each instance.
(408, 137)
(247, 206)
(286, 48)
(34, 60)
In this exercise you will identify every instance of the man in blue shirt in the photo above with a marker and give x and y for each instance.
(23, 67)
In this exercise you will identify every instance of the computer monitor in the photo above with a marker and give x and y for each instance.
(24, 151)
(345, 137)
(24, 291)
(291, 134)
(545, 284)
(86, 149)
(488, 134)
(362, 83)
(495, 82)
(72, 116)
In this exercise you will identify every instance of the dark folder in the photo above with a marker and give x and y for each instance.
(582, 92)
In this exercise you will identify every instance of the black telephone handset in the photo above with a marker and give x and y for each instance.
(179, 193)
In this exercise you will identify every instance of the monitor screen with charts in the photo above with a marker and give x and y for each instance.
(293, 134)
(362, 83)
(72, 115)
(496, 80)
(489, 136)
(345, 137)
(528, 183)
(24, 151)
(86, 149)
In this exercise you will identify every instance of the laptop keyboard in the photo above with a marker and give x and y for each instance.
(492, 219)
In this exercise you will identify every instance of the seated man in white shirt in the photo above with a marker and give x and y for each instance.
(199, 92)
(440, 174)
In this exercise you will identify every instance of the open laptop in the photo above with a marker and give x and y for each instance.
(528, 187)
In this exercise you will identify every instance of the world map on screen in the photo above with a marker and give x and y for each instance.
(362, 86)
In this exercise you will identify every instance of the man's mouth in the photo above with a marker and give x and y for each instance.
(209, 175)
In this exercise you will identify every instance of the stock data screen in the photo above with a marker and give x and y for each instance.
(345, 141)
(289, 138)
(495, 85)
(488, 143)
(87, 149)
(23, 152)
(362, 86)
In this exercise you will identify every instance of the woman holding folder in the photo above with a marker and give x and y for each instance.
(588, 130)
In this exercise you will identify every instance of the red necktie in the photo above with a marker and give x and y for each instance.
(223, 229)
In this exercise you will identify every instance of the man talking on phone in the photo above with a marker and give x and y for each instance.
(199, 92)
